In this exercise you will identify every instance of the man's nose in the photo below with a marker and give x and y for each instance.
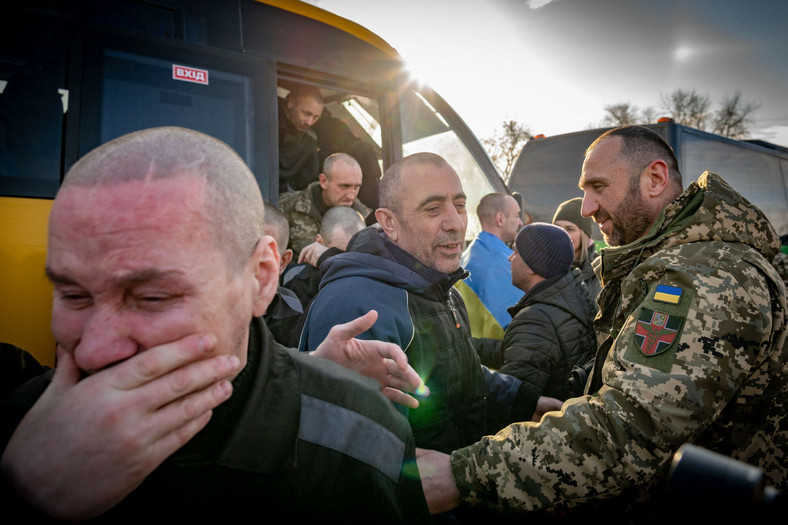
(105, 340)
(588, 206)
(453, 221)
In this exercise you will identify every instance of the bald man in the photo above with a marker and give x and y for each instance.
(488, 291)
(405, 268)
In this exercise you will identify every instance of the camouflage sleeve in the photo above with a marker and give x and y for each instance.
(303, 231)
(692, 328)
(780, 263)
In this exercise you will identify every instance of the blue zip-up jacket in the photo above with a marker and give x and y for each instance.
(421, 312)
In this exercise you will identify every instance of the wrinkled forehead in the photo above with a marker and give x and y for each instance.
(426, 178)
(346, 177)
(129, 205)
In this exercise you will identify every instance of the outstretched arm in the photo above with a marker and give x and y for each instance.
(384, 362)
(115, 426)
(440, 489)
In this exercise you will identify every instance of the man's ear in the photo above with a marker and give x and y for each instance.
(287, 256)
(319, 239)
(499, 219)
(323, 180)
(388, 221)
(265, 260)
(656, 178)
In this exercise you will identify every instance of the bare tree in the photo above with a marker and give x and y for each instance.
(505, 145)
(733, 117)
(623, 114)
(648, 115)
(626, 114)
(687, 107)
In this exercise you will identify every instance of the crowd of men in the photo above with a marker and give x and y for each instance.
(192, 381)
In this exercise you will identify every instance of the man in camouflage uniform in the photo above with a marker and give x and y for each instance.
(692, 338)
(337, 185)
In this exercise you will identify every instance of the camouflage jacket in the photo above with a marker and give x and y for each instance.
(780, 262)
(304, 216)
(692, 333)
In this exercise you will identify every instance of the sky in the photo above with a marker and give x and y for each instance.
(553, 65)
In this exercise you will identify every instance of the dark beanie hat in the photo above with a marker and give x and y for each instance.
(570, 211)
(546, 249)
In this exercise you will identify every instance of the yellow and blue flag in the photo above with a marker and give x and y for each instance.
(668, 294)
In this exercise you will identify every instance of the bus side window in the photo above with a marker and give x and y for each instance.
(32, 107)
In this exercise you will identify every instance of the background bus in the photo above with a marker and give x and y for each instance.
(76, 74)
(547, 169)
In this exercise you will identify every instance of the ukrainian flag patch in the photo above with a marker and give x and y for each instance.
(668, 294)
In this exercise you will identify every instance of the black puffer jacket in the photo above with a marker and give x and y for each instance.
(588, 275)
(551, 332)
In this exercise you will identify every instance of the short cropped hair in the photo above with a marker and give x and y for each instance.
(236, 204)
(390, 190)
(490, 205)
(345, 218)
(278, 226)
(331, 160)
(302, 91)
(641, 146)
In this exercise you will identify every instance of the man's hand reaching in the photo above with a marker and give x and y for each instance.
(311, 253)
(384, 362)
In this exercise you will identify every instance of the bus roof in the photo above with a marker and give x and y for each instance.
(321, 15)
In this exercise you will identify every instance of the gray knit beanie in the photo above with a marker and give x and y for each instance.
(546, 249)
(570, 211)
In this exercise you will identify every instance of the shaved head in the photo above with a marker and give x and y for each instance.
(391, 190)
(234, 198)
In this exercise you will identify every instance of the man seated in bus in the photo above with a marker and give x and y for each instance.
(170, 397)
(298, 157)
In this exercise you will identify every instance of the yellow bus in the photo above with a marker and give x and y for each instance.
(76, 74)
